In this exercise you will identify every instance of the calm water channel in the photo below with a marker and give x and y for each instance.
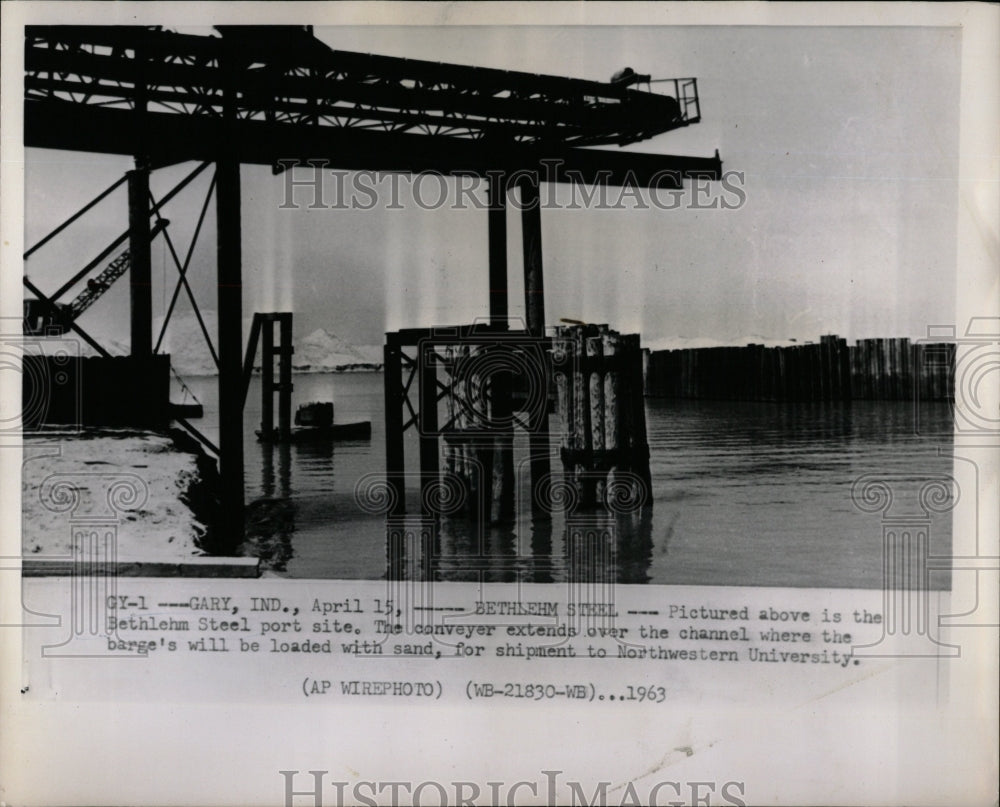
(744, 494)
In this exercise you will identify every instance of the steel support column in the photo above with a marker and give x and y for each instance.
(429, 448)
(140, 270)
(394, 446)
(531, 230)
(230, 341)
(285, 376)
(498, 488)
(534, 308)
(230, 313)
(267, 378)
(497, 223)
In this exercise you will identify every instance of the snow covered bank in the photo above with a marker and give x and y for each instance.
(152, 485)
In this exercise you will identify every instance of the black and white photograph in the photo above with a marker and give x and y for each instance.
(498, 292)
(342, 337)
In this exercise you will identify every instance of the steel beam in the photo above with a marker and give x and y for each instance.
(531, 234)
(290, 76)
(394, 445)
(499, 492)
(140, 270)
(429, 447)
(230, 342)
(230, 313)
(497, 252)
(534, 307)
(267, 379)
(174, 138)
(97, 199)
(284, 376)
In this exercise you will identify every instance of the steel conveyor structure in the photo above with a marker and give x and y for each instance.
(277, 96)
(111, 89)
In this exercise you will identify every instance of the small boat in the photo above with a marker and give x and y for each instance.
(187, 410)
(314, 423)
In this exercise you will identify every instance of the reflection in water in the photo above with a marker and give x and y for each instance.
(743, 494)
(541, 551)
(270, 518)
(635, 547)
(595, 546)
(284, 470)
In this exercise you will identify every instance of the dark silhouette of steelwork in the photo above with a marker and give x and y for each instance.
(277, 96)
(136, 80)
(263, 330)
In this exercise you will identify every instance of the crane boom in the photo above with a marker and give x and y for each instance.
(40, 319)
(96, 286)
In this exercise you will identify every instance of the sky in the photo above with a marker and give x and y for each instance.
(846, 140)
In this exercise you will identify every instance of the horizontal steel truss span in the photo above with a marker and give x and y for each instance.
(109, 89)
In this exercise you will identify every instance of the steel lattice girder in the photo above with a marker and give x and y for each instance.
(123, 89)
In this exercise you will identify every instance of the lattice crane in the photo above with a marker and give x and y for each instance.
(41, 319)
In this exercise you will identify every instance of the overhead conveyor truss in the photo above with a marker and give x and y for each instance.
(278, 95)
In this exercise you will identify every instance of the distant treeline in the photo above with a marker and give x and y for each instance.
(871, 369)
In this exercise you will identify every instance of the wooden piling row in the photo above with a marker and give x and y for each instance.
(603, 422)
(490, 380)
(872, 369)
